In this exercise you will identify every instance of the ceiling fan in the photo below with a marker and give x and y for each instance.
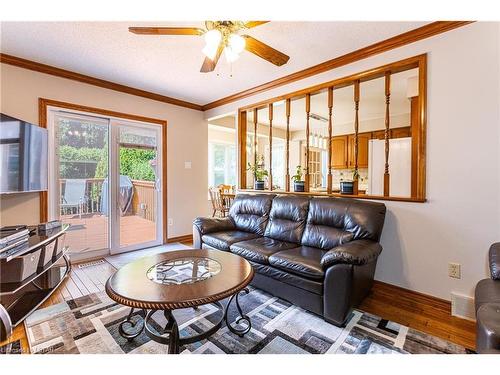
(222, 36)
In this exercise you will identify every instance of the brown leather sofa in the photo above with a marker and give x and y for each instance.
(487, 301)
(318, 253)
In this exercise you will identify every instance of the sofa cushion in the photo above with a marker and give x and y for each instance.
(313, 286)
(325, 224)
(250, 213)
(365, 219)
(304, 261)
(287, 218)
(259, 249)
(223, 240)
(487, 290)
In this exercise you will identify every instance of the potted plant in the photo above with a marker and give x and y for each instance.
(298, 183)
(350, 187)
(258, 172)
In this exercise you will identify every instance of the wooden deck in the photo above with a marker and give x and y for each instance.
(90, 232)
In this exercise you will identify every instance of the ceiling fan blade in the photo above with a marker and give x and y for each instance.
(208, 64)
(166, 30)
(250, 24)
(264, 51)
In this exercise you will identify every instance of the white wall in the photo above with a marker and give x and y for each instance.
(462, 216)
(187, 140)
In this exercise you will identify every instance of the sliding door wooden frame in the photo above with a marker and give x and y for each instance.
(385, 71)
(44, 104)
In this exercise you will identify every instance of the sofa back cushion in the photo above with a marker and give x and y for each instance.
(287, 218)
(334, 221)
(250, 212)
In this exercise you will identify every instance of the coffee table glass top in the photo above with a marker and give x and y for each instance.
(186, 270)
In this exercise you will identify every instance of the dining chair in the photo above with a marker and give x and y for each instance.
(218, 206)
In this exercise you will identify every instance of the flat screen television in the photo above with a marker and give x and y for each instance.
(23, 156)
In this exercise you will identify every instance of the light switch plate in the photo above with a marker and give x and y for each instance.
(187, 165)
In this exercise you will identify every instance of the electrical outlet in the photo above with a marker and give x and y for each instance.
(454, 270)
(170, 221)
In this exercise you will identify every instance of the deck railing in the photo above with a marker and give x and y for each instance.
(143, 198)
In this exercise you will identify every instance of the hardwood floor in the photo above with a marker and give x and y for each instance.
(418, 311)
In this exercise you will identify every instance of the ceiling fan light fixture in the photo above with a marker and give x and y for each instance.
(212, 40)
(237, 43)
(231, 56)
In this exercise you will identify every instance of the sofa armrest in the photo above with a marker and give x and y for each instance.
(494, 260)
(213, 224)
(356, 252)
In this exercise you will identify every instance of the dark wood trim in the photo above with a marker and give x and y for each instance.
(414, 125)
(68, 74)
(356, 137)
(330, 135)
(271, 146)
(242, 144)
(308, 111)
(417, 296)
(386, 132)
(287, 152)
(185, 238)
(397, 41)
(359, 196)
(43, 105)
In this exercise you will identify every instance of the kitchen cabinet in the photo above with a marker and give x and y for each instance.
(401, 132)
(363, 140)
(339, 152)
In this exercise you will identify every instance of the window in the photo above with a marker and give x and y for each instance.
(221, 164)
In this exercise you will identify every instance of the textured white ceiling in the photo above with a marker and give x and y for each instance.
(169, 65)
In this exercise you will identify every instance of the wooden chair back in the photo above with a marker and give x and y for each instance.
(217, 201)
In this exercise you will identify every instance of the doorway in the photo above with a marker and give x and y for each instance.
(106, 181)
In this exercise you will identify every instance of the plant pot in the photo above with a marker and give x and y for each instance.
(347, 187)
(299, 186)
(259, 185)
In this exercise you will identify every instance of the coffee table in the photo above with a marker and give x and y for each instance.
(177, 280)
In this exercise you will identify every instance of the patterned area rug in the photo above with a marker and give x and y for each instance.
(89, 324)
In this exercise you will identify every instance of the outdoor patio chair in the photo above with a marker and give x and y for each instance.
(74, 195)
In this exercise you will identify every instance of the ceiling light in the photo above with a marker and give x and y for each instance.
(237, 43)
(212, 40)
(231, 56)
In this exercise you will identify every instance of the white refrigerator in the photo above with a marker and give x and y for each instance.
(399, 167)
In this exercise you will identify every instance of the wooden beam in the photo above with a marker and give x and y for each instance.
(330, 134)
(270, 146)
(255, 130)
(397, 41)
(287, 146)
(356, 136)
(242, 136)
(386, 132)
(308, 110)
(68, 74)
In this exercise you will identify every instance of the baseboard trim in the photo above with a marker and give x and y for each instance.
(417, 296)
(185, 238)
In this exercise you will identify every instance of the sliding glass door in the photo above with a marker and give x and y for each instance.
(105, 182)
(137, 164)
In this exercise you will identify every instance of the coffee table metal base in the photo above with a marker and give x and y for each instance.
(173, 340)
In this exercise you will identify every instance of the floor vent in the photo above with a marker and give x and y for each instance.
(91, 263)
(462, 306)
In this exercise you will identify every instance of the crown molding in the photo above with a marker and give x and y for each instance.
(400, 40)
(397, 41)
(63, 73)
